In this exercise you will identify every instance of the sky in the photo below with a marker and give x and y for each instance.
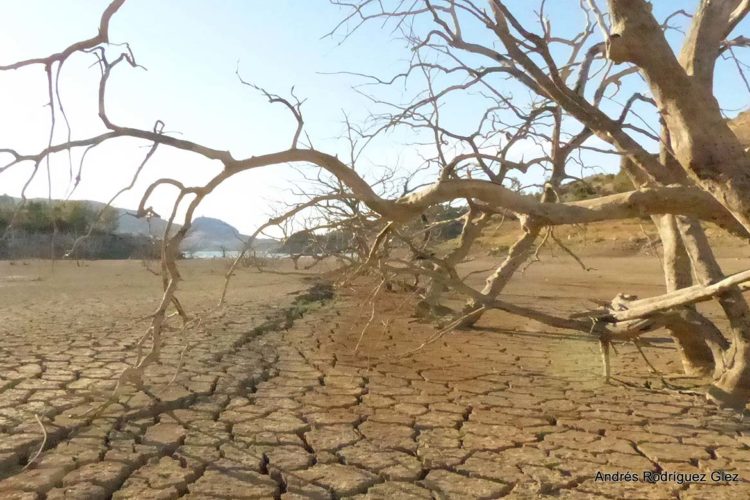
(190, 50)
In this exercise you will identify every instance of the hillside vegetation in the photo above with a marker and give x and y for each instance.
(594, 186)
(67, 217)
(39, 228)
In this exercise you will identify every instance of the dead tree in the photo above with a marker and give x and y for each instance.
(697, 144)
(705, 180)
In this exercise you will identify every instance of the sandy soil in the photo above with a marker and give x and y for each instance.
(265, 408)
(623, 238)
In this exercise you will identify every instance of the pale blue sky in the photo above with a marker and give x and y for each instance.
(190, 49)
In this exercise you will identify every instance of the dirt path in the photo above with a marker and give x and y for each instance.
(516, 412)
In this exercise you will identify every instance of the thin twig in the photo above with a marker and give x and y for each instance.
(373, 296)
(179, 364)
(606, 368)
(437, 336)
(570, 252)
(652, 245)
(643, 355)
(41, 446)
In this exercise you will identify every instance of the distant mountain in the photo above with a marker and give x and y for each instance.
(206, 234)
(128, 223)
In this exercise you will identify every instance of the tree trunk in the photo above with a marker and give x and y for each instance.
(701, 139)
(733, 386)
(517, 255)
(697, 357)
(693, 334)
(472, 229)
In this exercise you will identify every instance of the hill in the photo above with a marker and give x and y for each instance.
(613, 238)
(595, 185)
(206, 234)
(209, 234)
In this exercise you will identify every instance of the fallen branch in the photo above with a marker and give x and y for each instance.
(685, 296)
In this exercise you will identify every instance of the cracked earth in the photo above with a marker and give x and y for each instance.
(266, 398)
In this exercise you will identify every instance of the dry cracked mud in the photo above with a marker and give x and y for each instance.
(271, 401)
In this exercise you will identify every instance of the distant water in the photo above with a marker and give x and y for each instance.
(230, 254)
(212, 254)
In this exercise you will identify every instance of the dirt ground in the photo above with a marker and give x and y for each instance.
(266, 397)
